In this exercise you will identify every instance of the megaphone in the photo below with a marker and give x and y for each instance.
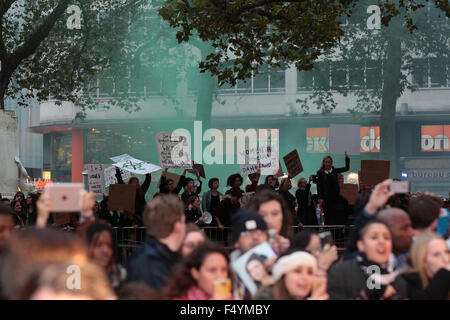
(206, 218)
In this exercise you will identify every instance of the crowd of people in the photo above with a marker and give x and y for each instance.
(398, 247)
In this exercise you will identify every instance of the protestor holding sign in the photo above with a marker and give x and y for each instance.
(167, 185)
(141, 190)
(328, 186)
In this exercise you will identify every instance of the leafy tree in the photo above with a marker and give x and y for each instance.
(377, 66)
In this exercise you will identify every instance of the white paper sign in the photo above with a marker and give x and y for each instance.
(122, 157)
(345, 138)
(96, 178)
(262, 158)
(137, 166)
(110, 176)
(174, 150)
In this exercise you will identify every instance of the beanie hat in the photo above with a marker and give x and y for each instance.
(244, 220)
(292, 261)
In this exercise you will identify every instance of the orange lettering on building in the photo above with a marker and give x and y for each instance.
(435, 138)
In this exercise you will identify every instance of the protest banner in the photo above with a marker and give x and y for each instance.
(137, 166)
(345, 138)
(350, 192)
(110, 176)
(373, 172)
(121, 197)
(96, 178)
(293, 163)
(174, 150)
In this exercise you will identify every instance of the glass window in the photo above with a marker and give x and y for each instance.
(373, 74)
(321, 74)
(338, 74)
(438, 74)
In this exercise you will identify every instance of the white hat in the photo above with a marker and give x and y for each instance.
(292, 261)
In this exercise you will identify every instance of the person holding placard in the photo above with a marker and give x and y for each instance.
(328, 187)
(141, 190)
(254, 179)
(168, 185)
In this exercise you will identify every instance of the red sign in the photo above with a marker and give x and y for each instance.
(40, 184)
(317, 139)
(435, 138)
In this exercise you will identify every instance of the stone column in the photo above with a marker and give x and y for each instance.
(9, 148)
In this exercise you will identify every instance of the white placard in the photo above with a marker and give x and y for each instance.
(121, 158)
(260, 159)
(345, 138)
(137, 166)
(96, 178)
(174, 150)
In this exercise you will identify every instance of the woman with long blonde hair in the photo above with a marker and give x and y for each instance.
(429, 276)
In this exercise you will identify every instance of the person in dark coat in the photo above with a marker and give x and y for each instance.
(353, 279)
(328, 187)
(153, 263)
(141, 190)
(306, 210)
(168, 186)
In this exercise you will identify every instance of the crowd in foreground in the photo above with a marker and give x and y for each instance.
(397, 249)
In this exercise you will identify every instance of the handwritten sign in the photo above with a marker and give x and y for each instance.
(350, 192)
(137, 166)
(121, 158)
(263, 158)
(174, 150)
(373, 172)
(96, 178)
(110, 176)
(121, 197)
(293, 163)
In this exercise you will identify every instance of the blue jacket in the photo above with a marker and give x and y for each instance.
(152, 263)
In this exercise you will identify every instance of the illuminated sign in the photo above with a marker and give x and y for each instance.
(317, 139)
(40, 184)
(435, 138)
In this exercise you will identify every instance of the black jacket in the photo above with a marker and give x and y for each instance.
(306, 213)
(328, 184)
(437, 289)
(346, 280)
(152, 263)
(163, 185)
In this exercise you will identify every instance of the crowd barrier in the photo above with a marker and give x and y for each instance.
(130, 238)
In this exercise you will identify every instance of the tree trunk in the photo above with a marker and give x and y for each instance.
(391, 92)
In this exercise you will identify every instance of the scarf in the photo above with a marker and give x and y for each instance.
(370, 290)
(195, 293)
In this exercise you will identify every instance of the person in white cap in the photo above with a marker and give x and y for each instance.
(294, 279)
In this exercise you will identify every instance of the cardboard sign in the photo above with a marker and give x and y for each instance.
(61, 218)
(293, 163)
(96, 178)
(121, 197)
(175, 177)
(197, 169)
(174, 150)
(350, 192)
(345, 138)
(373, 172)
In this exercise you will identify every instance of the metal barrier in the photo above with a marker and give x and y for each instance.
(130, 238)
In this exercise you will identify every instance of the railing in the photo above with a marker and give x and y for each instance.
(130, 238)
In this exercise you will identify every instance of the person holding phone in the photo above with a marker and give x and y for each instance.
(200, 274)
(328, 187)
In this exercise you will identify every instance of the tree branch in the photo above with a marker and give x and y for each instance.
(5, 5)
(42, 32)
